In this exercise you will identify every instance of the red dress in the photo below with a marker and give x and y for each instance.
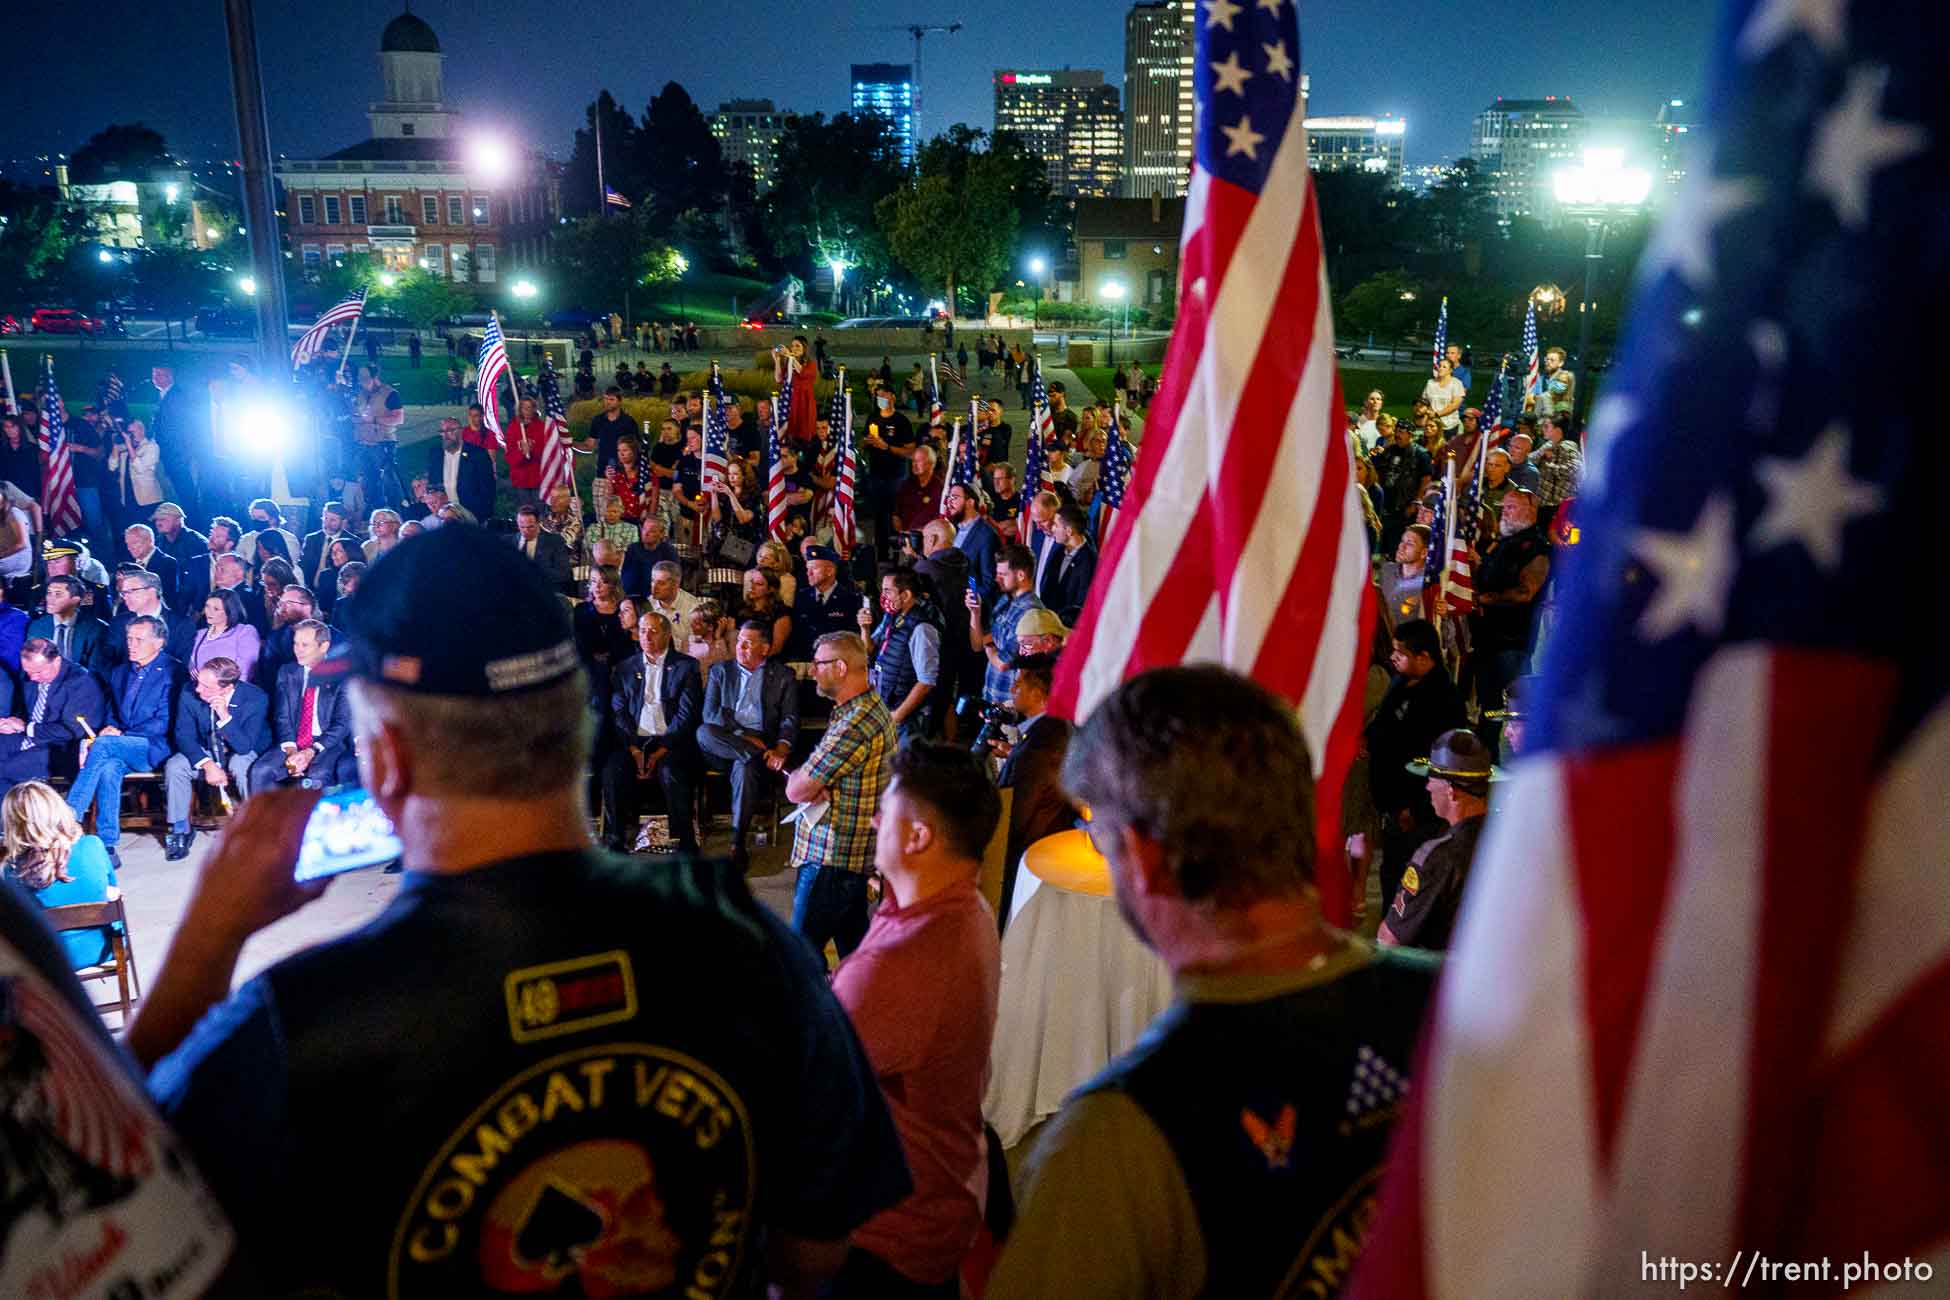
(638, 493)
(802, 416)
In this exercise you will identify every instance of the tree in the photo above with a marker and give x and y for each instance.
(678, 157)
(955, 223)
(598, 259)
(1387, 305)
(176, 280)
(830, 175)
(426, 299)
(123, 152)
(1460, 209)
(621, 171)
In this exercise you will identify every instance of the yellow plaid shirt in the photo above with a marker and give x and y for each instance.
(853, 762)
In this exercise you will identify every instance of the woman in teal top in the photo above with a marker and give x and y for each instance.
(47, 853)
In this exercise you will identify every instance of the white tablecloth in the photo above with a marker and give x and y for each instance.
(1078, 988)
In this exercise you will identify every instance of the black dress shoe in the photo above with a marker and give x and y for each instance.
(176, 846)
(114, 858)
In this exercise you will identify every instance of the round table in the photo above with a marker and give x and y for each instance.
(1078, 986)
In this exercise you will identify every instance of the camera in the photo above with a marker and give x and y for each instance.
(994, 718)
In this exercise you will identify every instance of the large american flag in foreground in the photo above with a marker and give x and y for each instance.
(1241, 539)
(59, 502)
(1699, 1004)
(346, 309)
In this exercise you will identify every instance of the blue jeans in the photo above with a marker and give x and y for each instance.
(830, 903)
(110, 758)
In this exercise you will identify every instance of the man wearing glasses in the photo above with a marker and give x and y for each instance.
(839, 789)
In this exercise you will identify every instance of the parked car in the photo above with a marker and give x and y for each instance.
(575, 318)
(227, 322)
(65, 320)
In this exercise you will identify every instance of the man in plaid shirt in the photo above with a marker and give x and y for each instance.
(848, 770)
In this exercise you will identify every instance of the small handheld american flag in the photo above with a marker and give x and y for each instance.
(775, 474)
(845, 521)
(346, 309)
(717, 434)
(1113, 477)
(1035, 466)
(1531, 358)
(1441, 335)
(558, 465)
(491, 365)
(58, 499)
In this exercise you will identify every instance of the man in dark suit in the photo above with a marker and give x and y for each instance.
(751, 718)
(141, 594)
(174, 537)
(1067, 576)
(975, 536)
(139, 540)
(546, 549)
(1033, 769)
(141, 699)
(180, 429)
(295, 605)
(79, 636)
(312, 721)
(57, 697)
(335, 524)
(222, 724)
(463, 470)
(823, 603)
(655, 701)
(232, 575)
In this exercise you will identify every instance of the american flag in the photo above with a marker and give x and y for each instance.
(1113, 478)
(111, 391)
(87, 1098)
(489, 369)
(1458, 587)
(717, 434)
(845, 522)
(1493, 404)
(347, 308)
(1441, 335)
(954, 374)
(1242, 539)
(826, 456)
(966, 466)
(1698, 1006)
(775, 474)
(558, 462)
(58, 500)
(1531, 359)
(613, 199)
(1035, 466)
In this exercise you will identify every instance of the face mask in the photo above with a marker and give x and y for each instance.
(886, 404)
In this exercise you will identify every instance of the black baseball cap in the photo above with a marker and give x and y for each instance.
(456, 611)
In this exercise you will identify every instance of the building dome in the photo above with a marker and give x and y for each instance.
(407, 34)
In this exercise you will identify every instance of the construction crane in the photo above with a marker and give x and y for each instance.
(917, 31)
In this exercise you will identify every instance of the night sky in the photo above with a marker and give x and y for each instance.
(530, 67)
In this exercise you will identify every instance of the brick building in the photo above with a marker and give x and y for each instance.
(418, 191)
(1130, 242)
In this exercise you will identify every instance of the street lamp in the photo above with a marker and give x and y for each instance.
(1114, 290)
(492, 157)
(170, 192)
(838, 265)
(212, 234)
(525, 290)
(105, 256)
(1600, 191)
(248, 285)
(387, 279)
(1548, 299)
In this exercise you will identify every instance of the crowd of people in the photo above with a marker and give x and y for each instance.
(704, 1082)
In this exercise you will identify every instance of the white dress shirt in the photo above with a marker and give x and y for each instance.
(650, 719)
(450, 472)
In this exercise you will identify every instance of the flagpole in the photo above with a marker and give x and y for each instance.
(602, 186)
(346, 355)
(954, 452)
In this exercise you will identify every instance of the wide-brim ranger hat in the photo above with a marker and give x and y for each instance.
(1513, 701)
(1459, 758)
(455, 611)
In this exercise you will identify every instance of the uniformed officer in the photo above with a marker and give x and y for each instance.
(1459, 771)
(539, 1061)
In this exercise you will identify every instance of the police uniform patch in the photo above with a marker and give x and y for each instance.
(1411, 880)
(564, 997)
(619, 1169)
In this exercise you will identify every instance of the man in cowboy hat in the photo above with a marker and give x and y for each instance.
(1423, 914)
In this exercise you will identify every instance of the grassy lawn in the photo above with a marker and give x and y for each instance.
(707, 297)
(80, 370)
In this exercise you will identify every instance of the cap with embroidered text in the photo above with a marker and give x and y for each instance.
(456, 611)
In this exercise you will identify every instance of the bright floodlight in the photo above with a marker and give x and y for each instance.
(248, 285)
(525, 289)
(105, 255)
(681, 262)
(492, 158)
(262, 429)
(1037, 266)
(211, 232)
(1114, 290)
(1603, 181)
(387, 279)
(170, 192)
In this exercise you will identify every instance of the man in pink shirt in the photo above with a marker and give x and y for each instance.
(921, 989)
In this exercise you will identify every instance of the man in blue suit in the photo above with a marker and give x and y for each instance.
(57, 698)
(142, 597)
(13, 631)
(222, 724)
(654, 707)
(141, 699)
(75, 631)
(751, 718)
(975, 536)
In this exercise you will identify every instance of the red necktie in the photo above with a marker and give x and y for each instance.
(306, 713)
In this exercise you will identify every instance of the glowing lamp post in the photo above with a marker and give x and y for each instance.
(1601, 190)
(1114, 290)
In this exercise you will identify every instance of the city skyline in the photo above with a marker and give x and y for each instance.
(1645, 56)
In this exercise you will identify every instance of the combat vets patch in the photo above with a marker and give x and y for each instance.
(566, 997)
(1412, 880)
